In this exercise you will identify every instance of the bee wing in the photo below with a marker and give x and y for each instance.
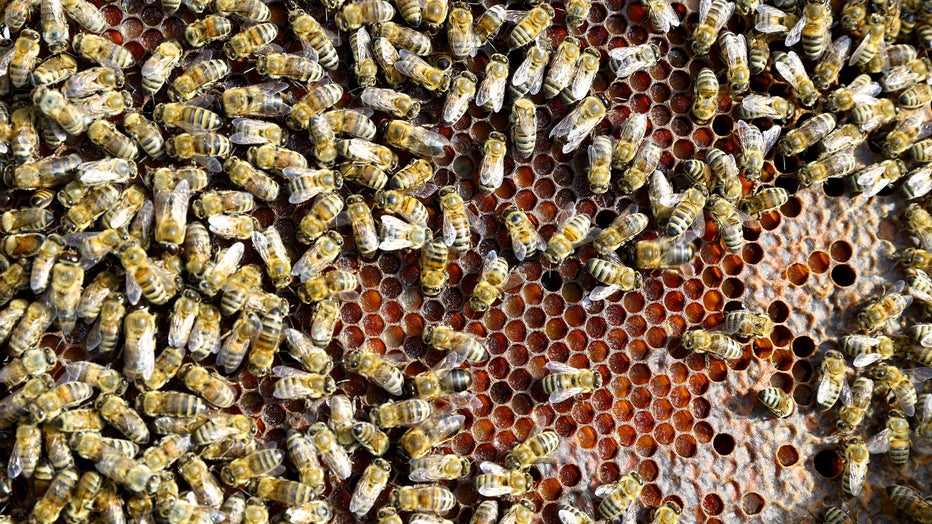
(228, 259)
(156, 65)
(261, 243)
(485, 92)
(5, 62)
(514, 15)
(492, 468)
(857, 472)
(825, 391)
(605, 489)
(790, 68)
(582, 83)
(133, 291)
(286, 371)
(525, 70)
(448, 230)
(564, 394)
(602, 292)
(860, 50)
(560, 367)
(664, 13)
(223, 225)
(496, 491)
(925, 410)
(794, 35)
(248, 131)
(211, 164)
(866, 359)
(363, 49)
(770, 13)
(770, 138)
(423, 475)
(737, 50)
(879, 443)
(759, 104)
(704, 7)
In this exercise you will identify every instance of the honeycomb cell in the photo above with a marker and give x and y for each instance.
(781, 336)
(792, 208)
(661, 409)
(840, 251)
(752, 503)
(732, 264)
(641, 397)
(712, 504)
(645, 446)
(626, 435)
(713, 301)
(623, 410)
(787, 455)
(683, 420)
(733, 288)
(843, 275)
(752, 253)
(803, 395)
(797, 274)
(828, 463)
(685, 445)
(723, 444)
(703, 432)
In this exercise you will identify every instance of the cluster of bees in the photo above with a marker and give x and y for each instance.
(110, 246)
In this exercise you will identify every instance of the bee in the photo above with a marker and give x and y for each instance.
(186, 145)
(910, 502)
(144, 132)
(53, 105)
(364, 66)
(901, 385)
(851, 414)
(317, 100)
(208, 29)
(67, 282)
(58, 493)
(668, 513)
(275, 158)
(625, 61)
(644, 163)
(139, 345)
(760, 106)
(662, 16)
(197, 77)
(49, 405)
(108, 381)
(434, 499)
(807, 134)
(257, 464)
(600, 163)
(619, 497)
(434, 262)
(836, 165)
(438, 467)
(460, 33)
(48, 172)
(324, 140)
(223, 202)
(370, 437)
(116, 412)
(210, 386)
(569, 235)
(717, 344)
(364, 174)
(249, 11)
(629, 140)
(362, 151)
(333, 455)
(713, 15)
(92, 81)
(873, 42)
(283, 65)
(743, 323)
(902, 136)
(833, 380)
(662, 253)
(396, 234)
(10, 316)
(189, 117)
(102, 51)
(859, 91)
(24, 138)
(627, 225)
(370, 485)
(758, 52)
(312, 35)
(417, 140)
(857, 458)
(364, 12)
(853, 15)
(705, 96)
(915, 96)
(792, 71)
(197, 249)
(27, 449)
(166, 451)
(492, 170)
(244, 175)
(833, 515)
(413, 176)
(755, 145)
(171, 403)
(258, 100)
(403, 413)
(270, 247)
(489, 23)
(105, 332)
(160, 64)
(889, 307)
(25, 56)
(496, 481)
(491, 93)
(404, 39)
(86, 491)
(729, 223)
(324, 251)
(562, 67)
(324, 321)
(266, 342)
(524, 238)
(873, 179)
(827, 70)
(529, 26)
(54, 70)
(491, 282)
(288, 492)
(364, 232)
(529, 76)
(813, 28)
(377, 369)
(536, 448)
(304, 456)
(572, 515)
(304, 350)
(777, 401)
(250, 40)
(203, 483)
(150, 281)
(576, 125)
(735, 53)
(893, 440)
(687, 213)
(351, 122)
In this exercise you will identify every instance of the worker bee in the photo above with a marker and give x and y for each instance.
(57, 494)
(208, 29)
(364, 232)
(403, 413)
(860, 90)
(370, 437)
(239, 227)
(524, 238)
(662, 253)
(264, 462)
(203, 484)
(404, 39)
(717, 344)
(662, 17)
(458, 97)
(492, 170)
(668, 513)
(758, 52)
(687, 213)
(833, 380)
(496, 481)
(791, 69)
(491, 282)
(851, 414)
(529, 76)
(156, 69)
(324, 321)
(210, 386)
(415, 139)
(320, 255)
(730, 224)
(614, 275)
(250, 41)
(527, 28)
(54, 70)
(108, 381)
(365, 173)
(270, 247)
(570, 234)
(243, 174)
(27, 449)
(332, 454)
(873, 43)
(317, 100)
(489, 23)
(85, 493)
(53, 105)
(248, 132)
(910, 502)
(625, 61)
(754, 145)
(565, 382)
(857, 458)
(562, 67)
(145, 133)
(191, 118)
(915, 96)
(359, 151)
(287, 492)
(139, 345)
(93, 80)
(629, 140)
(24, 137)
(295, 67)
(903, 134)
(705, 96)
(833, 515)
(275, 158)
(434, 262)
(364, 12)
(874, 178)
(893, 440)
(460, 31)
(847, 136)
(901, 385)
(764, 106)
(743, 323)
(713, 15)
(24, 57)
(536, 448)
(102, 51)
(836, 165)
(267, 340)
(777, 401)
(370, 485)
(377, 369)
(434, 499)
(813, 28)
(600, 163)
(50, 404)
(627, 225)
(619, 497)
(304, 457)
(396, 234)
(118, 414)
(889, 307)
(807, 134)
(827, 70)
(67, 279)
(644, 163)
(735, 53)
(576, 125)
(257, 100)
(47, 172)
(491, 93)
(218, 202)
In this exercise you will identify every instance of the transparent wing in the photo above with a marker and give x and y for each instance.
(559, 396)
(602, 292)
(704, 6)
(493, 468)
(560, 367)
(770, 138)
(879, 443)
(759, 104)
(825, 390)
(795, 34)
(605, 489)
(866, 359)
(248, 131)
(664, 14)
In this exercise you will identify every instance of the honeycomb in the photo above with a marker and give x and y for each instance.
(693, 429)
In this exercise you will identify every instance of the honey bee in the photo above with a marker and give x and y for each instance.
(108, 381)
(27, 449)
(25, 56)
(288, 492)
(324, 251)
(857, 458)
(102, 51)
(668, 513)
(713, 15)
(145, 133)
(827, 70)
(570, 234)
(536, 448)
(403, 413)
(370, 485)
(873, 179)
(755, 145)
(191, 118)
(902, 136)
(86, 491)
(364, 232)
(249, 11)
(625, 61)
(492, 170)
(208, 29)
(730, 224)
(807, 134)
(283, 65)
(910, 502)
(848, 135)
(312, 35)
(915, 96)
(562, 67)
(258, 100)
(244, 175)
(324, 140)
(377, 369)
(58, 493)
(565, 382)
(662, 18)
(860, 90)
(260, 463)
(266, 342)
(148, 279)
(370, 437)
(893, 440)
(687, 212)
(275, 158)
(219, 270)
(643, 165)
(833, 380)
(197, 77)
(600, 164)
(627, 225)
(160, 64)
(572, 515)
(491, 93)
(351, 122)
(758, 52)
(833, 515)
(529, 76)
(491, 282)
(460, 33)
(166, 451)
(361, 151)
(434, 499)
(139, 345)
(116, 412)
(630, 136)
(332, 454)
(851, 414)
(67, 282)
(10, 316)
(528, 27)
(49, 405)
(777, 401)
(496, 481)
(197, 249)
(760, 106)
(210, 386)
(364, 174)
(220, 202)
(813, 28)
(364, 66)
(836, 165)
(438, 467)
(735, 53)
(853, 15)
(889, 307)
(24, 138)
(489, 23)
(901, 385)
(873, 43)
(92, 81)
(250, 41)
(717, 344)
(66, 115)
(404, 39)
(791, 69)
(364, 12)
(619, 497)
(54, 70)
(270, 247)
(662, 253)
(303, 455)
(417, 140)
(105, 332)
(47, 172)
(317, 100)
(396, 234)
(434, 262)
(203, 484)
(705, 96)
